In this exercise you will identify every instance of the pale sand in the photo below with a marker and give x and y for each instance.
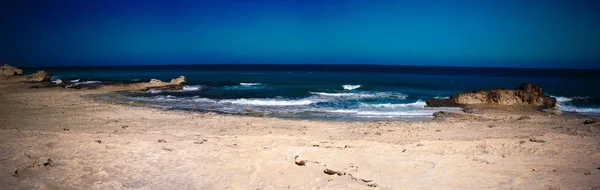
(96, 145)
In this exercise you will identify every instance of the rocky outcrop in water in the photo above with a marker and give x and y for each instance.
(526, 94)
(175, 84)
(40, 76)
(10, 70)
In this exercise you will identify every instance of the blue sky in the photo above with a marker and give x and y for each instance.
(508, 33)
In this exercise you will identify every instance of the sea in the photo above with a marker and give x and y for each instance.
(332, 92)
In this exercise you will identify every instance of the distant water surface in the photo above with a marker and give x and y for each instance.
(335, 92)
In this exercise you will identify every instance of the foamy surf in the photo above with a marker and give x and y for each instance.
(565, 104)
(351, 87)
(91, 83)
(57, 81)
(362, 95)
(250, 84)
(267, 102)
(192, 88)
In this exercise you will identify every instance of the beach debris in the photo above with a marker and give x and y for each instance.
(249, 110)
(587, 173)
(125, 127)
(589, 121)
(47, 163)
(522, 142)
(201, 142)
(420, 144)
(372, 184)
(332, 172)
(472, 110)
(300, 162)
(438, 130)
(162, 141)
(66, 129)
(98, 141)
(536, 140)
(168, 149)
(443, 114)
(491, 126)
(523, 118)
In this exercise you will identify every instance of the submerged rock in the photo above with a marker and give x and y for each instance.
(9, 70)
(526, 94)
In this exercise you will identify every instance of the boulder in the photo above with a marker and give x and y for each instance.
(175, 84)
(40, 76)
(10, 70)
(526, 94)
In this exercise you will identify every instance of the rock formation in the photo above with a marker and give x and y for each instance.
(175, 84)
(10, 70)
(526, 94)
(40, 76)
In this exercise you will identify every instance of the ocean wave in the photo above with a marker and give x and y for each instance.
(579, 110)
(351, 87)
(192, 88)
(562, 99)
(269, 102)
(57, 81)
(417, 104)
(76, 80)
(88, 82)
(154, 91)
(250, 84)
(92, 82)
(362, 95)
(565, 104)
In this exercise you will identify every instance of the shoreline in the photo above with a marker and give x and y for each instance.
(98, 145)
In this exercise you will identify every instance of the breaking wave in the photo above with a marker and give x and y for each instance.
(269, 102)
(351, 87)
(250, 84)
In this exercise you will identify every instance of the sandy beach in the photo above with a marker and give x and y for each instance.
(56, 138)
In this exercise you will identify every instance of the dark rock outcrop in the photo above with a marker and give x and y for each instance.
(526, 94)
(10, 70)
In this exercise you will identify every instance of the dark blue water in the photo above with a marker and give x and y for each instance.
(344, 92)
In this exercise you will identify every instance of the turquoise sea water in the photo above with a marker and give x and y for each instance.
(336, 92)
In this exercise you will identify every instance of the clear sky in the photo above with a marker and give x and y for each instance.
(513, 33)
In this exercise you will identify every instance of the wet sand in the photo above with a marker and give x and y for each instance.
(55, 138)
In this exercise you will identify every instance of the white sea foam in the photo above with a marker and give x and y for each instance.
(57, 81)
(88, 82)
(564, 104)
(192, 88)
(269, 102)
(334, 94)
(92, 82)
(562, 99)
(417, 104)
(154, 91)
(250, 84)
(76, 80)
(363, 95)
(351, 87)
